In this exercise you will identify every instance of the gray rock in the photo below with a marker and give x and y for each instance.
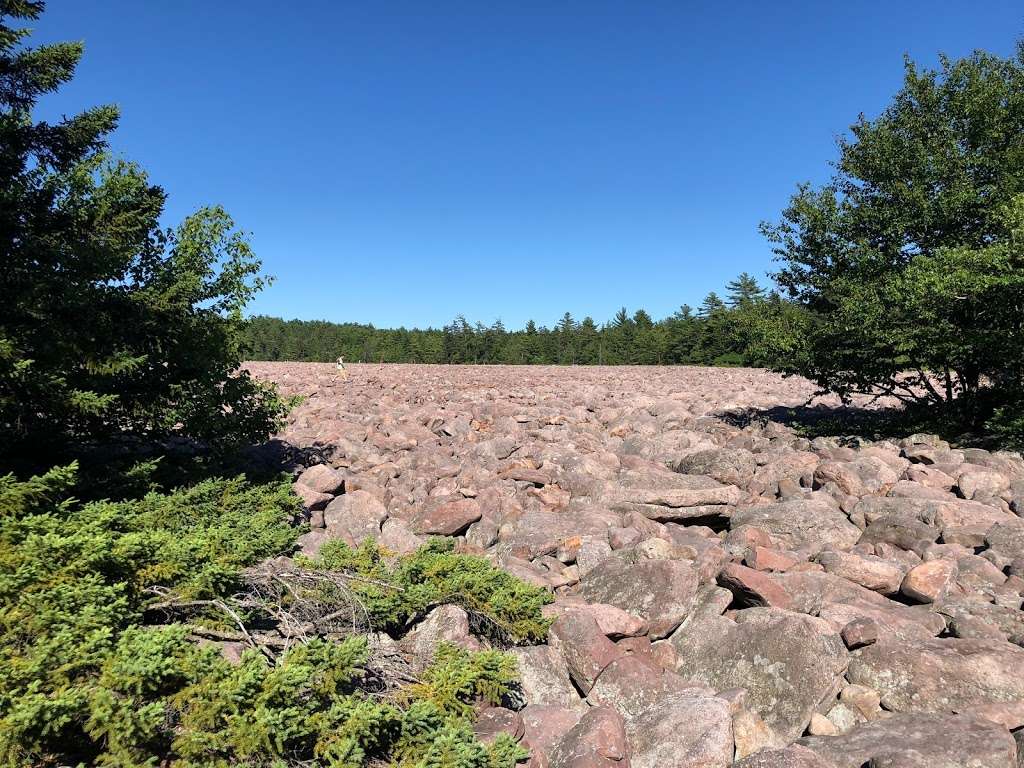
(734, 466)
(940, 674)
(788, 662)
(322, 479)
(919, 739)
(544, 677)
(445, 624)
(793, 756)
(801, 525)
(682, 731)
(660, 591)
(354, 517)
(633, 686)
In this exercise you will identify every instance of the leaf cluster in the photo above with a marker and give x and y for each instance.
(906, 270)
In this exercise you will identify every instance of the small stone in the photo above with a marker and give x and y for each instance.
(322, 479)
(929, 581)
(860, 632)
(865, 700)
(821, 726)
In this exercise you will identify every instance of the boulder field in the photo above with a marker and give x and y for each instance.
(726, 591)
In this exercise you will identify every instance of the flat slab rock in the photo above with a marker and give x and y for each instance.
(940, 674)
(918, 741)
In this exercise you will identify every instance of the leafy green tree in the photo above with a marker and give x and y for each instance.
(108, 323)
(906, 266)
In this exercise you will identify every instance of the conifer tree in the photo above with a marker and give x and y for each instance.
(743, 290)
(108, 323)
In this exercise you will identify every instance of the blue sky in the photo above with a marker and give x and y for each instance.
(401, 162)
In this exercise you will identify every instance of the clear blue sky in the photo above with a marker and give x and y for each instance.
(401, 162)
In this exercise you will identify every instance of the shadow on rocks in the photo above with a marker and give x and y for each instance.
(850, 424)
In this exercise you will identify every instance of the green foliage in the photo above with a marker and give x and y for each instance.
(458, 677)
(907, 269)
(712, 338)
(86, 676)
(72, 577)
(108, 323)
(397, 592)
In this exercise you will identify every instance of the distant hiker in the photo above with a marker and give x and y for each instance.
(342, 372)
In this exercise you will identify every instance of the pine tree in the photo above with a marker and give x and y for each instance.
(642, 320)
(108, 323)
(566, 330)
(711, 305)
(743, 290)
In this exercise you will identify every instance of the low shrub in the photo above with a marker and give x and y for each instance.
(396, 592)
(89, 675)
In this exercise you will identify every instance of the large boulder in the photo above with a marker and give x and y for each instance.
(870, 572)
(543, 532)
(787, 662)
(660, 591)
(1007, 538)
(840, 601)
(860, 477)
(544, 677)
(734, 466)
(445, 624)
(704, 497)
(545, 725)
(613, 621)
(585, 648)
(447, 519)
(355, 517)
(940, 514)
(940, 674)
(598, 740)
(793, 756)
(918, 740)
(632, 686)
(683, 731)
(804, 525)
(322, 479)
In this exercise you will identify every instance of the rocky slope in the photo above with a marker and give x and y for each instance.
(723, 593)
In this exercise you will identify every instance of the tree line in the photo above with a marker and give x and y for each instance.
(716, 333)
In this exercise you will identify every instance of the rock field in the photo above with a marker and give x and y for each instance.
(724, 594)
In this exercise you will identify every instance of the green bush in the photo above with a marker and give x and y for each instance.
(1006, 425)
(88, 675)
(396, 594)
